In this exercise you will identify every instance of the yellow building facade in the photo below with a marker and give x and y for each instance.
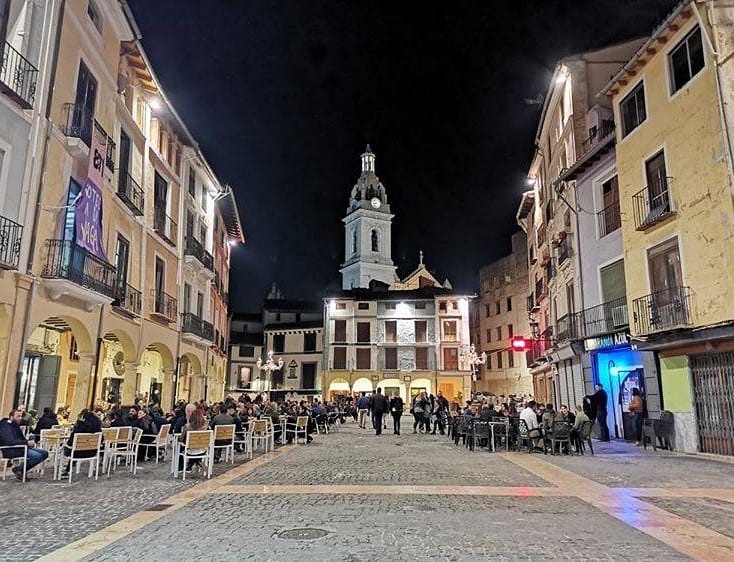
(677, 208)
(115, 301)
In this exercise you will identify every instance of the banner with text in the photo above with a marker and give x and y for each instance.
(88, 213)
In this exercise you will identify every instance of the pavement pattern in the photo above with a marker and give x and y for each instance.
(353, 496)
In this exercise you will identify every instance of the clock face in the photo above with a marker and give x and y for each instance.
(376, 202)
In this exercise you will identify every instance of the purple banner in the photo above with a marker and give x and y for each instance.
(88, 220)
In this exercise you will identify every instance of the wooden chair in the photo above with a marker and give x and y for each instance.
(199, 445)
(85, 443)
(8, 462)
(299, 429)
(160, 441)
(52, 441)
(244, 439)
(225, 433)
(129, 452)
(259, 434)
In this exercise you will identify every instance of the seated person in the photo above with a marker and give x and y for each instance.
(548, 417)
(579, 420)
(222, 418)
(530, 417)
(12, 434)
(87, 422)
(197, 422)
(564, 415)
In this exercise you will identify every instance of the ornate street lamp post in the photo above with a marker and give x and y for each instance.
(269, 366)
(470, 355)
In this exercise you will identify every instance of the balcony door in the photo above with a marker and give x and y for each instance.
(86, 97)
(189, 224)
(160, 285)
(124, 163)
(200, 305)
(160, 197)
(187, 298)
(657, 184)
(668, 306)
(122, 255)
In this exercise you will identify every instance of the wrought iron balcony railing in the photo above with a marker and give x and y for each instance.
(663, 310)
(130, 192)
(165, 305)
(652, 204)
(10, 237)
(78, 122)
(66, 260)
(194, 248)
(128, 298)
(192, 324)
(609, 219)
(164, 226)
(18, 77)
(605, 318)
(597, 135)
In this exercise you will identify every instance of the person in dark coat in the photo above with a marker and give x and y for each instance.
(396, 410)
(150, 431)
(380, 407)
(11, 434)
(599, 404)
(47, 420)
(87, 422)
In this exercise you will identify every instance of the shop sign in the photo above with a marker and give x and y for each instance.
(389, 375)
(607, 340)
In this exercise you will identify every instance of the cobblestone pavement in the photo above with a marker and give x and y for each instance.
(408, 497)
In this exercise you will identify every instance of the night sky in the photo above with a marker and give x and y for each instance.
(283, 95)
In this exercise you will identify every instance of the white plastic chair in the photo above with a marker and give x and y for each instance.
(86, 443)
(9, 462)
(260, 435)
(160, 441)
(199, 445)
(129, 452)
(225, 433)
(299, 429)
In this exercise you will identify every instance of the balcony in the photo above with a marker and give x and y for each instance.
(78, 124)
(10, 237)
(130, 192)
(219, 342)
(18, 77)
(564, 251)
(539, 346)
(194, 248)
(72, 270)
(652, 204)
(597, 135)
(192, 325)
(566, 328)
(165, 306)
(128, 300)
(164, 226)
(539, 290)
(662, 311)
(609, 219)
(605, 318)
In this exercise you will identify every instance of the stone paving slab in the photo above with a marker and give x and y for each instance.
(366, 527)
(709, 512)
(354, 456)
(42, 515)
(622, 465)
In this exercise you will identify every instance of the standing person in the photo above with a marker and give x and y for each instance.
(419, 405)
(396, 409)
(380, 407)
(363, 406)
(438, 416)
(599, 404)
(636, 407)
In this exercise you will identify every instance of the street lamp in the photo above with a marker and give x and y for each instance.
(474, 361)
(269, 366)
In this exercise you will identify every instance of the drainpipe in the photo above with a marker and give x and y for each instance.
(39, 199)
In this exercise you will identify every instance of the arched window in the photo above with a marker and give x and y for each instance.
(375, 242)
(354, 241)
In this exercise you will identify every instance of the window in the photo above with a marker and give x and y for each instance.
(420, 306)
(187, 298)
(70, 211)
(192, 183)
(686, 60)
(509, 304)
(510, 359)
(340, 358)
(442, 306)
(308, 375)
(489, 362)
(73, 350)
(298, 316)
(632, 110)
(204, 198)
(244, 377)
(499, 360)
(391, 331)
(487, 311)
(340, 330)
(612, 281)
(122, 252)
(341, 306)
(510, 330)
(354, 241)
(279, 343)
(451, 359)
(364, 355)
(489, 335)
(277, 316)
(391, 306)
(497, 308)
(247, 351)
(391, 358)
(499, 333)
(421, 358)
(665, 270)
(454, 305)
(420, 331)
(570, 299)
(93, 14)
(309, 342)
(375, 241)
(449, 330)
(363, 332)
(363, 306)
(277, 379)
(160, 285)
(292, 368)
(609, 217)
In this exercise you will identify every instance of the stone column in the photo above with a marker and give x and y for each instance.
(84, 383)
(167, 393)
(130, 382)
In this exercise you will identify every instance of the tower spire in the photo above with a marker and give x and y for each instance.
(368, 160)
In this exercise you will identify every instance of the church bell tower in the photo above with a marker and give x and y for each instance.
(367, 231)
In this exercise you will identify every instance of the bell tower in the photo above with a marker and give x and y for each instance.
(367, 231)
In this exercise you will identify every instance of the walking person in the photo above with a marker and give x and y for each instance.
(419, 405)
(363, 406)
(380, 407)
(599, 403)
(396, 409)
(636, 407)
(439, 414)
